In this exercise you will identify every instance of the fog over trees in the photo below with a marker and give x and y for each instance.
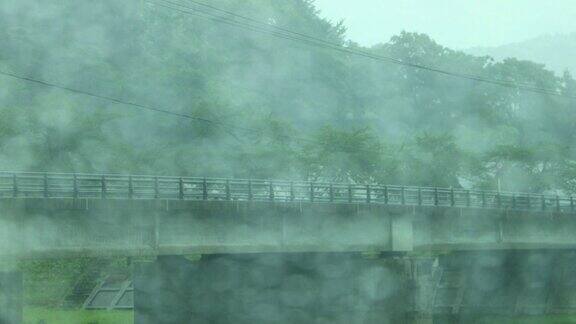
(283, 109)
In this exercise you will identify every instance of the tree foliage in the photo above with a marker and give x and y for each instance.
(283, 109)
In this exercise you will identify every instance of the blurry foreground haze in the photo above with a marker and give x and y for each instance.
(246, 104)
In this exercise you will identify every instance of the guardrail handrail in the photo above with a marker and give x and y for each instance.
(125, 186)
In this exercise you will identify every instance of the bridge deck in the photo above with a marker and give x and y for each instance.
(55, 215)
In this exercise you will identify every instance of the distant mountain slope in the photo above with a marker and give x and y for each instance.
(557, 52)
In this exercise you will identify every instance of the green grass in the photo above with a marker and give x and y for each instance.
(545, 319)
(56, 316)
(551, 319)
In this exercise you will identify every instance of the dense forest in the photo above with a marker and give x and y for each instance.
(282, 109)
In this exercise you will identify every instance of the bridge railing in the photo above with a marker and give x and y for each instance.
(113, 186)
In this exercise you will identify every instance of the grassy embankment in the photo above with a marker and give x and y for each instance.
(51, 316)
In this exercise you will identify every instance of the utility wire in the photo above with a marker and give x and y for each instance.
(263, 27)
(252, 20)
(339, 47)
(208, 15)
(120, 101)
(227, 127)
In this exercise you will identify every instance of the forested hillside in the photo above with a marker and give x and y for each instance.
(282, 109)
(555, 51)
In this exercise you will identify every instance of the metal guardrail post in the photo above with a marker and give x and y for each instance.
(292, 194)
(228, 194)
(498, 200)
(205, 189)
(45, 185)
(452, 200)
(349, 193)
(156, 188)
(435, 196)
(403, 195)
(75, 193)
(249, 189)
(468, 199)
(180, 188)
(311, 192)
(386, 195)
(271, 191)
(14, 185)
(368, 194)
(103, 187)
(130, 188)
(543, 202)
(331, 192)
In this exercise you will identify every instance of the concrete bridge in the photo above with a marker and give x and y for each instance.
(61, 215)
(49, 215)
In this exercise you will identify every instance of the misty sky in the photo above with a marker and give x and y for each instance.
(454, 23)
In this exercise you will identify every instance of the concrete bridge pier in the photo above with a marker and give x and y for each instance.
(271, 288)
(162, 290)
(420, 273)
(11, 297)
(460, 287)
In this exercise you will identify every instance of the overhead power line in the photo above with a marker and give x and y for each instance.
(120, 101)
(225, 126)
(227, 17)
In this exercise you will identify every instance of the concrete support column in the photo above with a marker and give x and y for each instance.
(469, 285)
(422, 274)
(162, 290)
(10, 297)
(402, 231)
(333, 288)
(420, 319)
